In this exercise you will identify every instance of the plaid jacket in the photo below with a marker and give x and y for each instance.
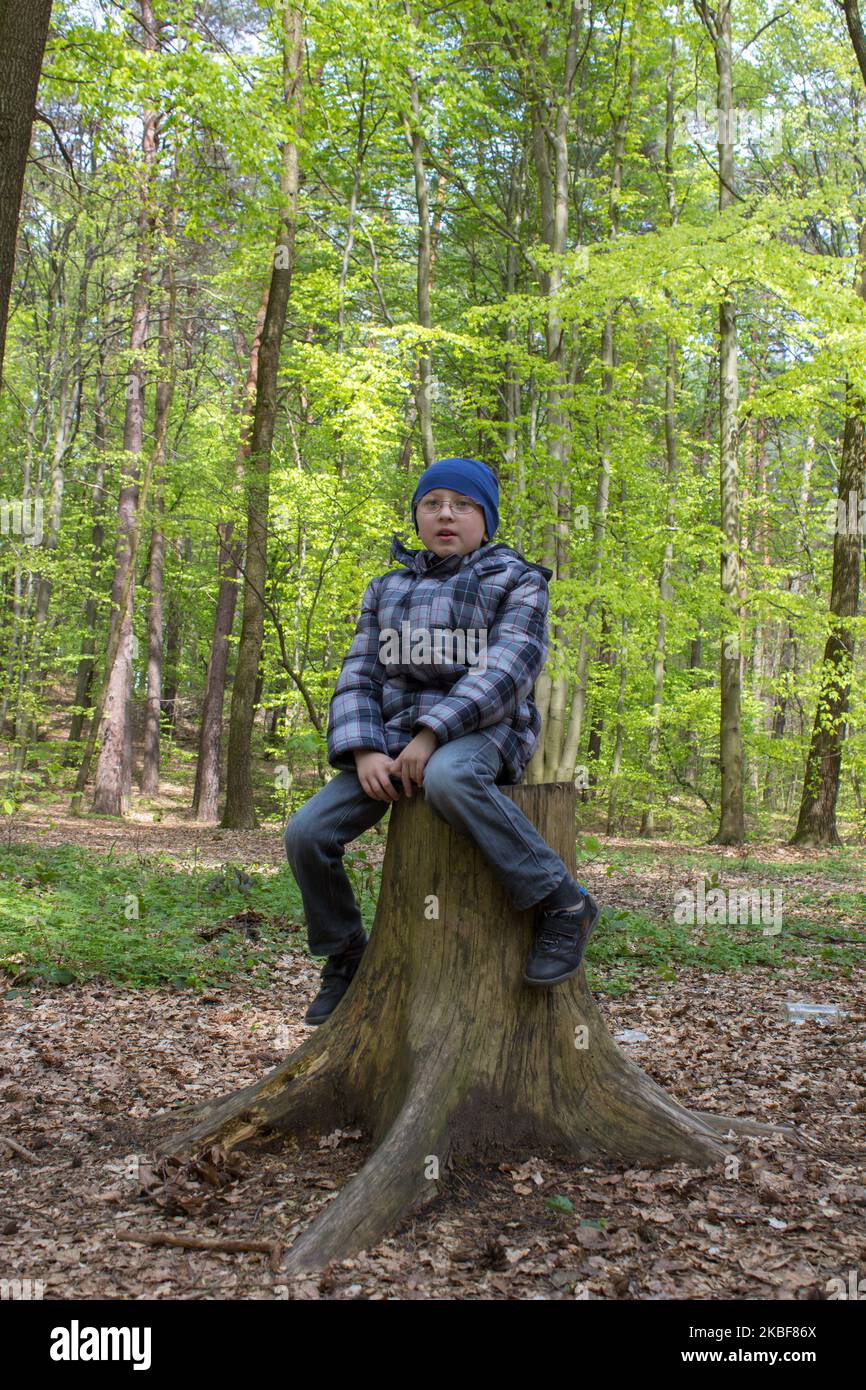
(495, 592)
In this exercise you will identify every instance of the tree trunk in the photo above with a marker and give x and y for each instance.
(619, 731)
(762, 546)
(23, 31)
(787, 670)
(605, 660)
(732, 829)
(415, 140)
(65, 387)
(205, 801)
(550, 127)
(171, 661)
(514, 460)
(561, 743)
(434, 1059)
(691, 737)
(239, 811)
(155, 583)
(113, 779)
(84, 674)
(817, 820)
(666, 592)
(619, 735)
(276, 718)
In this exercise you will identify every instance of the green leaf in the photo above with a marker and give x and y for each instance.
(560, 1203)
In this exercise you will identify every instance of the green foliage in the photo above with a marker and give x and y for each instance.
(142, 920)
(346, 451)
(66, 914)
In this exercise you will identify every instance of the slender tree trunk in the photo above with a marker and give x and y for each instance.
(691, 737)
(23, 32)
(605, 660)
(239, 811)
(206, 794)
(670, 422)
(67, 377)
(84, 672)
(732, 828)
(415, 140)
(787, 667)
(666, 593)
(410, 414)
(550, 132)
(762, 546)
(619, 734)
(558, 757)
(171, 663)
(162, 408)
(360, 150)
(513, 455)
(276, 717)
(114, 767)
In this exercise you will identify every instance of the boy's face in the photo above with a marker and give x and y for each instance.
(449, 523)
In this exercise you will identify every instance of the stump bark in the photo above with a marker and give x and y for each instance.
(439, 1048)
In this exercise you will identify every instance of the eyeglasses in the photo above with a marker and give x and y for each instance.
(462, 507)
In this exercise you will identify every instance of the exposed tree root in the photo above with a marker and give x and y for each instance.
(401, 1174)
(295, 1093)
(739, 1125)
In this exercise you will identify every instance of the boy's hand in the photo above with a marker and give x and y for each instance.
(410, 763)
(374, 770)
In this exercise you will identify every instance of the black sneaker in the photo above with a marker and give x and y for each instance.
(560, 941)
(338, 973)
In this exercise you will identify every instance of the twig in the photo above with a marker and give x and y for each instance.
(46, 120)
(273, 1248)
(18, 1148)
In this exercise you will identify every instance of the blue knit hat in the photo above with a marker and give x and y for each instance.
(468, 476)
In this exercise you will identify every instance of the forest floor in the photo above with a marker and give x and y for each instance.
(87, 1067)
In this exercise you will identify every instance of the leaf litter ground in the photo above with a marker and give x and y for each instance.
(86, 1068)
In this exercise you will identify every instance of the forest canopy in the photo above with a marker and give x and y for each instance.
(273, 260)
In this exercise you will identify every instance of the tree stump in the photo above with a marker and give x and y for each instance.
(439, 1048)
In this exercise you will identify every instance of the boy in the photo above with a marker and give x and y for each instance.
(404, 716)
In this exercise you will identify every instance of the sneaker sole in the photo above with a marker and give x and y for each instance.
(558, 979)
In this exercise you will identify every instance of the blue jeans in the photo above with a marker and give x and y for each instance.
(460, 787)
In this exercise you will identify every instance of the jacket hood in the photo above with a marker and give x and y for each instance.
(484, 557)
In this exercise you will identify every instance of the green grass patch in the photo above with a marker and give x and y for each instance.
(142, 921)
(69, 914)
(628, 948)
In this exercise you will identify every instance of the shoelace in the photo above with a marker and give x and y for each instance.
(550, 940)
